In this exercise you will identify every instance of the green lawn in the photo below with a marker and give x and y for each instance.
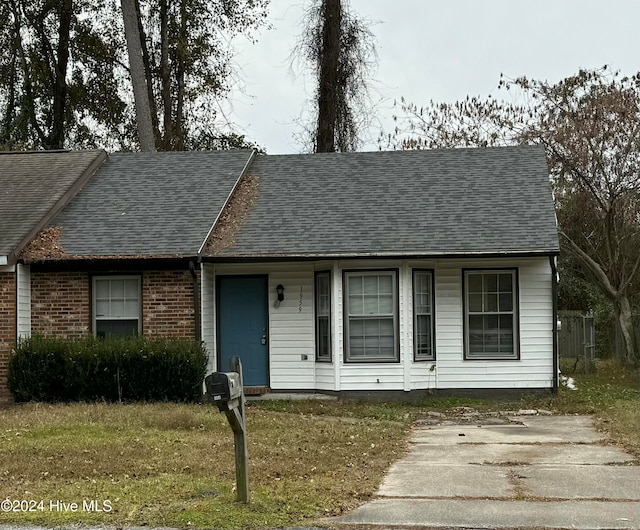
(172, 465)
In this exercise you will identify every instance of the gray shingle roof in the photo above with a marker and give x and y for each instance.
(150, 204)
(34, 184)
(431, 202)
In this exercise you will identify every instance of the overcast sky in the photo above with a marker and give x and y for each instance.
(442, 50)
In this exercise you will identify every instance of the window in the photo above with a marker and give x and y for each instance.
(491, 317)
(371, 325)
(423, 316)
(323, 316)
(116, 305)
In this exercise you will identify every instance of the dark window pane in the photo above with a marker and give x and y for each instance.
(323, 337)
(475, 303)
(491, 283)
(506, 322)
(476, 334)
(491, 302)
(506, 341)
(506, 283)
(491, 341)
(491, 322)
(506, 302)
(423, 335)
(119, 328)
(475, 283)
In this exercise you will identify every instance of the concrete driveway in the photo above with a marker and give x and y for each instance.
(518, 472)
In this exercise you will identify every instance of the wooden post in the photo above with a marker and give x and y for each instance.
(236, 418)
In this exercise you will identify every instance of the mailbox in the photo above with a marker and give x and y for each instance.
(223, 386)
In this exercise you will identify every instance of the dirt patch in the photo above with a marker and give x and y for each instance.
(233, 215)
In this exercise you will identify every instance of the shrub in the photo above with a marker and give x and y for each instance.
(109, 369)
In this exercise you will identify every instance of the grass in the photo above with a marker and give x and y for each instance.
(172, 465)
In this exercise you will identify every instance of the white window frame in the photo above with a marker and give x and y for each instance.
(320, 314)
(417, 356)
(94, 299)
(514, 312)
(347, 276)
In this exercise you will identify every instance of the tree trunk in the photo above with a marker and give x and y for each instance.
(179, 143)
(147, 72)
(138, 78)
(624, 318)
(165, 76)
(328, 89)
(56, 136)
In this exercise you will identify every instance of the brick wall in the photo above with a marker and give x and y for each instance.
(167, 304)
(7, 329)
(61, 303)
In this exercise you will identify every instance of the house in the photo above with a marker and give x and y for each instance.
(354, 272)
(33, 189)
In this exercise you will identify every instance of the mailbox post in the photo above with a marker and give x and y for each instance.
(226, 391)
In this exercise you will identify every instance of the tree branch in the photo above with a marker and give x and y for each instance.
(595, 268)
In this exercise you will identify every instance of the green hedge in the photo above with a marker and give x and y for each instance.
(109, 369)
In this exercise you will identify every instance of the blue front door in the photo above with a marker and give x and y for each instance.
(243, 326)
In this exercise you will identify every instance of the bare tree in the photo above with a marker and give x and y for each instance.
(589, 124)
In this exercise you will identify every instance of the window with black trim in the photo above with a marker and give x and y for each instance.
(323, 316)
(491, 314)
(423, 316)
(117, 305)
(370, 319)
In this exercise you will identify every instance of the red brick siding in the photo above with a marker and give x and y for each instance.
(167, 304)
(60, 304)
(7, 329)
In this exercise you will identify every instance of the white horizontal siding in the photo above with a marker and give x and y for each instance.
(291, 329)
(534, 369)
(24, 300)
(325, 376)
(207, 301)
(372, 376)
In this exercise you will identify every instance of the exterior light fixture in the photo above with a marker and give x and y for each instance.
(280, 292)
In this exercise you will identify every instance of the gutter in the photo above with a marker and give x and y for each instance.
(238, 258)
(554, 296)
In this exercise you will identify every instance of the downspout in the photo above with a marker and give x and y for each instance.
(196, 300)
(554, 296)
